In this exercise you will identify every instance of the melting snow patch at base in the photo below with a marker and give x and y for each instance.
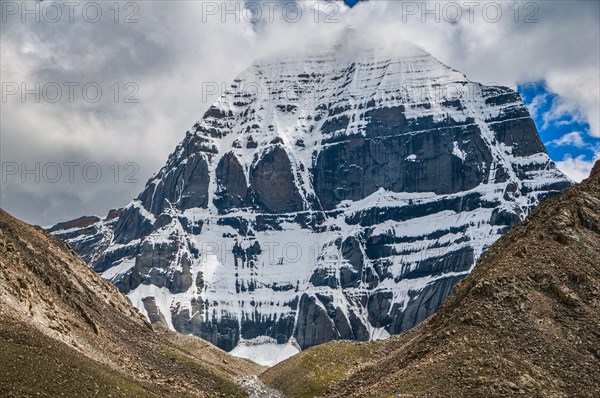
(265, 350)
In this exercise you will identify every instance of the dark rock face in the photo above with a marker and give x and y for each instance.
(131, 225)
(233, 188)
(351, 276)
(273, 181)
(346, 209)
(224, 333)
(184, 188)
(379, 305)
(421, 306)
(320, 320)
(314, 325)
(357, 168)
(324, 277)
(278, 329)
(154, 314)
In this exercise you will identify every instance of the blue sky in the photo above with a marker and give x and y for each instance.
(564, 129)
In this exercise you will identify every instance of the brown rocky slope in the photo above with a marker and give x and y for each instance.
(65, 331)
(525, 322)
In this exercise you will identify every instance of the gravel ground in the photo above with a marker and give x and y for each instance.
(256, 388)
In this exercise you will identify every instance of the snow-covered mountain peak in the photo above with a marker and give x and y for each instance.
(332, 195)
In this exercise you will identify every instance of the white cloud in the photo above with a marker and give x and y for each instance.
(171, 52)
(578, 168)
(562, 112)
(580, 93)
(536, 104)
(572, 139)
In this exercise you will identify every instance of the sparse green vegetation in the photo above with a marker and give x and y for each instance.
(318, 368)
(35, 365)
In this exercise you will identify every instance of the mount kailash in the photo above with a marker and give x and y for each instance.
(338, 195)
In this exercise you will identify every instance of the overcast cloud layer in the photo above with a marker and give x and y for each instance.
(177, 48)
